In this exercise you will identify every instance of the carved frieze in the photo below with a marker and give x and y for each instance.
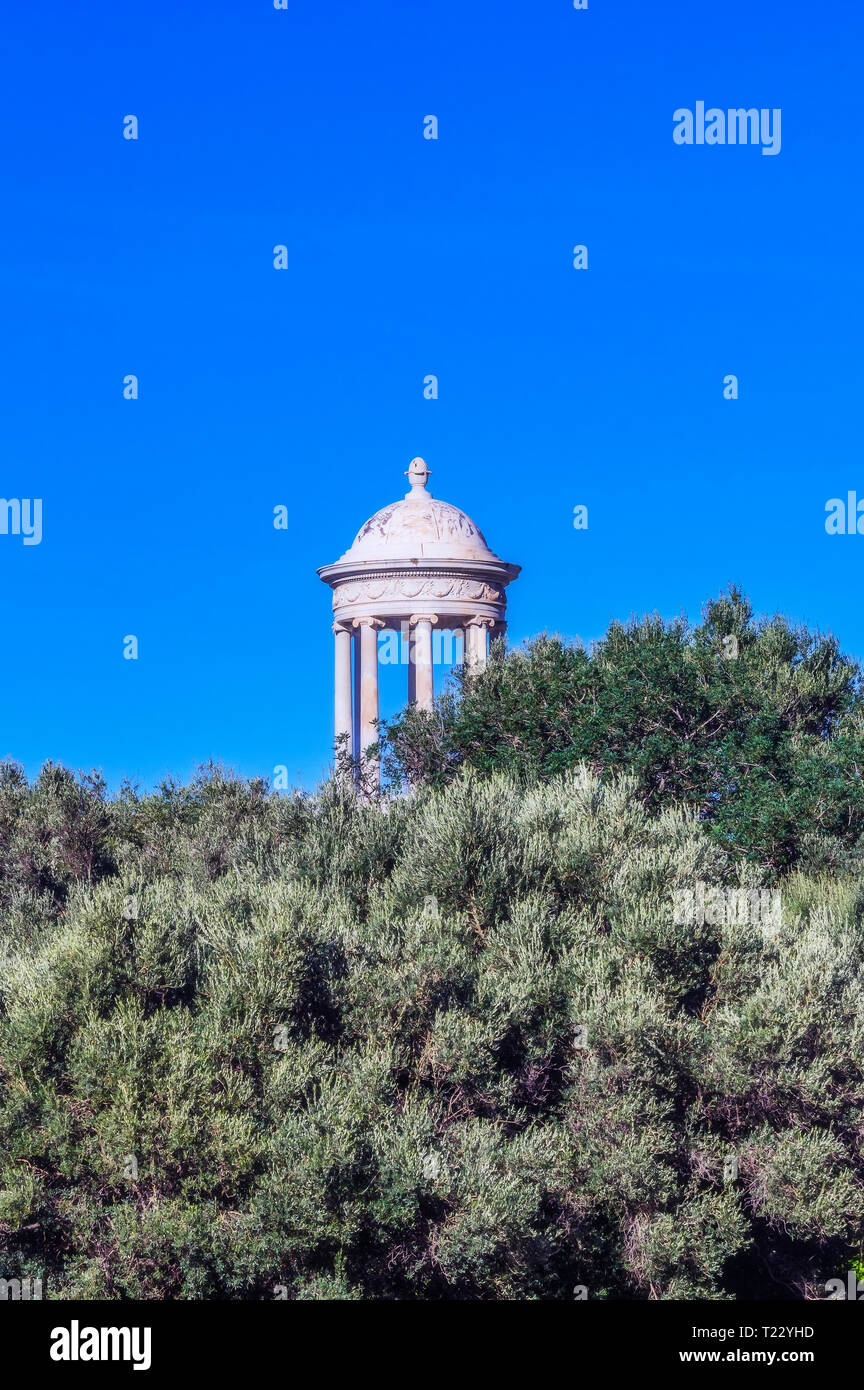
(413, 586)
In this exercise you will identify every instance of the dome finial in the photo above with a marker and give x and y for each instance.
(418, 473)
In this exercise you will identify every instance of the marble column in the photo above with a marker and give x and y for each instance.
(423, 684)
(468, 656)
(344, 723)
(408, 637)
(355, 646)
(475, 644)
(368, 680)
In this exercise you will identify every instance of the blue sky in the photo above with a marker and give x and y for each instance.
(407, 256)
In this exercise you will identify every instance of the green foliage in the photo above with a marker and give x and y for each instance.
(448, 1045)
(757, 725)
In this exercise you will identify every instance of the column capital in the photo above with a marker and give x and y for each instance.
(479, 621)
(341, 626)
(375, 623)
(423, 618)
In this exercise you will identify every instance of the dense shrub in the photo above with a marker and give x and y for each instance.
(758, 725)
(252, 1042)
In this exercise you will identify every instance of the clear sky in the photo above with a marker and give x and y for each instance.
(407, 257)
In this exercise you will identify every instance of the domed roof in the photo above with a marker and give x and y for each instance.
(419, 525)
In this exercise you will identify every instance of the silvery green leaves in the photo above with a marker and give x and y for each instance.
(264, 1045)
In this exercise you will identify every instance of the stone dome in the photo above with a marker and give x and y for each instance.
(417, 566)
(419, 556)
(419, 526)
